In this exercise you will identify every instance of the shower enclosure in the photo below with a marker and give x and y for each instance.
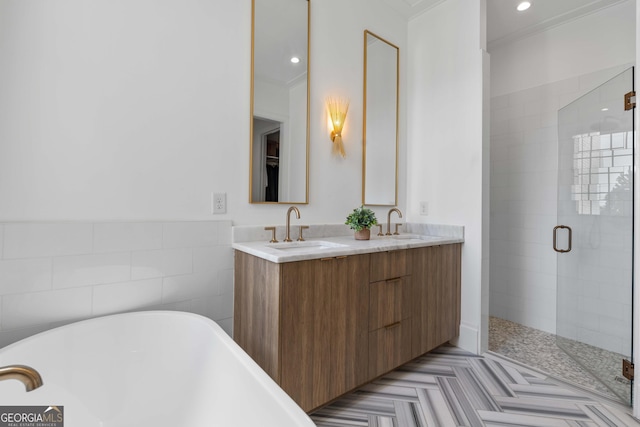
(594, 236)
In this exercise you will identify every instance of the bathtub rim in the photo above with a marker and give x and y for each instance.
(281, 398)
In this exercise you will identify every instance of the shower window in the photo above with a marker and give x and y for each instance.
(601, 173)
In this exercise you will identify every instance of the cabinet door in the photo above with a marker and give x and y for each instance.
(349, 316)
(451, 279)
(256, 316)
(436, 300)
(324, 324)
(305, 325)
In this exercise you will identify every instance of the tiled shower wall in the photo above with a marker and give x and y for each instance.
(524, 168)
(56, 273)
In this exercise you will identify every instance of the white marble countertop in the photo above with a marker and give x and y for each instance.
(327, 247)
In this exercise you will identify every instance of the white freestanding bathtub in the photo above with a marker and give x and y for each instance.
(154, 368)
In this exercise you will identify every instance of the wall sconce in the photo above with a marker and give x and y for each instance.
(337, 113)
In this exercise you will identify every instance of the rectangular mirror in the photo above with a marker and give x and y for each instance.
(279, 161)
(380, 124)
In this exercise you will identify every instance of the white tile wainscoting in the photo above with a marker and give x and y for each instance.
(56, 273)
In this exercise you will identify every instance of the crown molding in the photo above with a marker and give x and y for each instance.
(412, 8)
(558, 20)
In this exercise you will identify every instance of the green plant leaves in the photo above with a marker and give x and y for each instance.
(361, 218)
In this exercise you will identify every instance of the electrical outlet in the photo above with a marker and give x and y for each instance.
(424, 208)
(219, 203)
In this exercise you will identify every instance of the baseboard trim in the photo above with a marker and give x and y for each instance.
(468, 338)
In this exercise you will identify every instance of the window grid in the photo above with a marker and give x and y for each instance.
(600, 162)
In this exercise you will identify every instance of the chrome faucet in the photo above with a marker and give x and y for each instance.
(388, 233)
(25, 374)
(287, 238)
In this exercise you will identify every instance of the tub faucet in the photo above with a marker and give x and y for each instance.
(388, 233)
(287, 238)
(25, 374)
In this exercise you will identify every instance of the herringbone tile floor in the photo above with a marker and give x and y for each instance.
(451, 387)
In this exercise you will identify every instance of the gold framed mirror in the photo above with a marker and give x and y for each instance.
(279, 136)
(380, 121)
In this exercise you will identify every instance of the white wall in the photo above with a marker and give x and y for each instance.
(445, 129)
(110, 109)
(530, 80)
(140, 109)
(591, 43)
(336, 183)
(135, 111)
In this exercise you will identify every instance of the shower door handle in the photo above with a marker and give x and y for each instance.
(555, 239)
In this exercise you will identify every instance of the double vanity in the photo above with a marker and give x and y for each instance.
(330, 313)
(326, 313)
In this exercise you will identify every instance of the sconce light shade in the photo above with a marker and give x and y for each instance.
(338, 113)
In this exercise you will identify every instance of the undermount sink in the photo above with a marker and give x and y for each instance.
(306, 246)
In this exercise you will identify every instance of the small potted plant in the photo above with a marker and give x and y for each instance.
(361, 220)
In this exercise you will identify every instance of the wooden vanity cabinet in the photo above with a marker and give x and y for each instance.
(323, 327)
(435, 271)
(305, 323)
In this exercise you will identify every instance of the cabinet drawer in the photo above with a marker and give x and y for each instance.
(388, 265)
(389, 302)
(389, 347)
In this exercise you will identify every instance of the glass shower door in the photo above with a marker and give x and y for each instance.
(594, 236)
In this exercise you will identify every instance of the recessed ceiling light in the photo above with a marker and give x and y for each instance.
(524, 6)
(295, 59)
(604, 109)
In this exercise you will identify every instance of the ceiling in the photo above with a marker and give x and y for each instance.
(277, 41)
(505, 23)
